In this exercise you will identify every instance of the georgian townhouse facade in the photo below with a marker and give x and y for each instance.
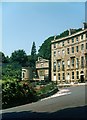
(42, 68)
(69, 57)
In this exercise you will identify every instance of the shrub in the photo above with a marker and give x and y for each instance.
(16, 93)
(46, 88)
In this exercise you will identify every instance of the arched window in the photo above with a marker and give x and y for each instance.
(82, 72)
(23, 75)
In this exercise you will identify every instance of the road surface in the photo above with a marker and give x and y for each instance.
(72, 105)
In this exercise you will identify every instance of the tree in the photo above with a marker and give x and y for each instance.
(33, 50)
(33, 56)
(45, 48)
(11, 71)
(19, 57)
(3, 59)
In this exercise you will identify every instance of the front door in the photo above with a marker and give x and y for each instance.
(82, 78)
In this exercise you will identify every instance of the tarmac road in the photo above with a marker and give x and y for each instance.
(73, 105)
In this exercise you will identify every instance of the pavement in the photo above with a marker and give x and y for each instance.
(64, 91)
(66, 103)
(61, 92)
(72, 84)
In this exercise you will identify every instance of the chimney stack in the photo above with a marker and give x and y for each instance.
(84, 25)
(55, 37)
(71, 31)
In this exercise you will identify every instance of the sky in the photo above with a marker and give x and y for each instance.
(25, 22)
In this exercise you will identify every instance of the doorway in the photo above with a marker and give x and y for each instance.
(82, 78)
(54, 77)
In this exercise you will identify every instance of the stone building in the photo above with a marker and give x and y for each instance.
(69, 57)
(42, 68)
(27, 73)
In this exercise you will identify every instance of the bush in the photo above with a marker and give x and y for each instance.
(15, 93)
(47, 89)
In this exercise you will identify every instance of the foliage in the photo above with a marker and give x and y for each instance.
(3, 59)
(64, 34)
(0, 72)
(46, 88)
(15, 93)
(20, 57)
(33, 56)
(78, 30)
(33, 50)
(11, 71)
(45, 49)
(31, 61)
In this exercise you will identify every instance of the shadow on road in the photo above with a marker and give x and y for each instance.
(69, 113)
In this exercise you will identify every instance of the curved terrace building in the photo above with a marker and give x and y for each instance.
(69, 57)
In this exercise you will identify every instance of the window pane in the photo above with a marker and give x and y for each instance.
(82, 46)
(86, 59)
(58, 52)
(54, 66)
(58, 76)
(63, 76)
(76, 39)
(67, 50)
(81, 36)
(68, 62)
(63, 43)
(72, 40)
(62, 65)
(72, 62)
(63, 51)
(58, 65)
(77, 63)
(54, 53)
(72, 75)
(72, 49)
(54, 45)
(82, 62)
(77, 48)
(77, 74)
(68, 41)
(86, 35)
(86, 45)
